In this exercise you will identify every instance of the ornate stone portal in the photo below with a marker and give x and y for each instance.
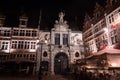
(59, 51)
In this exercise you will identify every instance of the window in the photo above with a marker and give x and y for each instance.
(28, 33)
(116, 38)
(20, 45)
(7, 33)
(57, 39)
(110, 20)
(32, 45)
(4, 45)
(22, 32)
(45, 54)
(14, 44)
(27, 44)
(112, 38)
(22, 22)
(77, 54)
(34, 33)
(15, 33)
(96, 29)
(0, 44)
(1, 21)
(65, 39)
(1, 32)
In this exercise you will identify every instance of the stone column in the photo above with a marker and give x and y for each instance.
(52, 64)
(38, 60)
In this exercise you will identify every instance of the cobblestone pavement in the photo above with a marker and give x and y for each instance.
(45, 77)
(18, 78)
(57, 77)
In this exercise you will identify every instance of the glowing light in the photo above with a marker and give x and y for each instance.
(89, 66)
(45, 41)
(59, 60)
(7, 51)
(32, 50)
(106, 30)
(114, 64)
(105, 46)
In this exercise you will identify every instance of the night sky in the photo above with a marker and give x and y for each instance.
(74, 10)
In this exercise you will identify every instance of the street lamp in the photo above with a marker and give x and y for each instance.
(40, 55)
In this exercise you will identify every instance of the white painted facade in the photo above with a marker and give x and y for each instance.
(103, 31)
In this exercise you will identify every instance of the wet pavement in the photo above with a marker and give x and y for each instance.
(57, 77)
(18, 78)
(44, 77)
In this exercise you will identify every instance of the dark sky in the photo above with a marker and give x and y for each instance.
(74, 10)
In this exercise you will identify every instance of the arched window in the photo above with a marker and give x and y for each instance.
(77, 54)
(45, 54)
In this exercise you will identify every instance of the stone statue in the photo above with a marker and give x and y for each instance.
(61, 15)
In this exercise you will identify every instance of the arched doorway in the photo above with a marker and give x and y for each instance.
(60, 63)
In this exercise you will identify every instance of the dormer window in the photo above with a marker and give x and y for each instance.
(22, 22)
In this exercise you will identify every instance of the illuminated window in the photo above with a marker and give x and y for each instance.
(65, 39)
(57, 39)
(4, 45)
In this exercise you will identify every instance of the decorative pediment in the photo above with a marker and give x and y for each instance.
(2, 18)
(61, 24)
(108, 5)
(87, 22)
(111, 4)
(23, 16)
(98, 11)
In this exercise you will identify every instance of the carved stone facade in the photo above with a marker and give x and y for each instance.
(51, 51)
(62, 45)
